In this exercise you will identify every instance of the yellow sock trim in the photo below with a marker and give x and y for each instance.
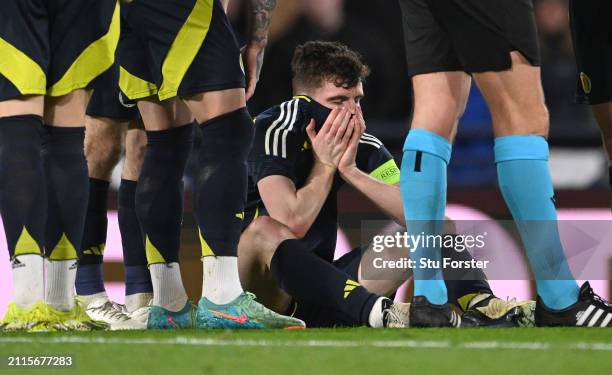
(26, 244)
(153, 255)
(206, 250)
(64, 250)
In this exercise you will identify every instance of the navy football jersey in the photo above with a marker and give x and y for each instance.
(281, 147)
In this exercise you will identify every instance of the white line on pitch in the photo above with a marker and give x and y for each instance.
(426, 344)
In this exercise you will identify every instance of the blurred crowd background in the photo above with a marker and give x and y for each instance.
(374, 29)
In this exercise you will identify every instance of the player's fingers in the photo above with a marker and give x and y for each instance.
(343, 129)
(329, 121)
(339, 122)
(350, 131)
(310, 130)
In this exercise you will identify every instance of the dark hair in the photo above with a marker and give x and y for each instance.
(317, 61)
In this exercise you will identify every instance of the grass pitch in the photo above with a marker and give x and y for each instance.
(322, 351)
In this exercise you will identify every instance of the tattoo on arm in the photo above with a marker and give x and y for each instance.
(260, 16)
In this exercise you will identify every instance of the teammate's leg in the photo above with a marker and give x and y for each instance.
(138, 287)
(23, 203)
(221, 182)
(159, 206)
(65, 169)
(103, 146)
(439, 102)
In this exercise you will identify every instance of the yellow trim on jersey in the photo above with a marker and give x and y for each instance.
(26, 244)
(93, 61)
(135, 87)
(206, 249)
(64, 250)
(185, 47)
(153, 255)
(24, 73)
(388, 173)
(302, 97)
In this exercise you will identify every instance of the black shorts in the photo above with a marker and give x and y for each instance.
(107, 100)
(591, 22)
(467, 35)
(53, 47)
(321, 316)
(176, 48)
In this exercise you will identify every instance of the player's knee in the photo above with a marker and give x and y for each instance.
(268, 234)
(102, 153)
(228, 136)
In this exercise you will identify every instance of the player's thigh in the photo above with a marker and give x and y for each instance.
(211, 104)
(135, 145)
(515, 98)
(162, 115)
(439, 101)
(103, 145)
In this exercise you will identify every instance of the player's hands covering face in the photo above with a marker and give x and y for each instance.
(330, 143)
(347, 161)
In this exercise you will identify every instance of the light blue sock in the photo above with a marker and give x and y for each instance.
(524, 179)
(423, 186)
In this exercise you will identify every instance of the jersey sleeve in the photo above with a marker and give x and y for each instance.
(279, 136)
(374, 159)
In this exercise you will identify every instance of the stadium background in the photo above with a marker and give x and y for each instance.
(577, 162)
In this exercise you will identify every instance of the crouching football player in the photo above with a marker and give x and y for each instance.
(304, 150)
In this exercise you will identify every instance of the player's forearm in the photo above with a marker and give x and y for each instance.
(387, 197)
(310, 198)
(260, 15)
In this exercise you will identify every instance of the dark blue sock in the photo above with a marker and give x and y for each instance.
(67, 191)
(524, 179)
(137, 276)
(159, 192)
(89, 277)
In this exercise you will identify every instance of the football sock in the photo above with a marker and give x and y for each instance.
(220, 197)
(461, 283)
(159, 192)
(221, 282)
(137, 300)
(23, 203)
(221, 181)
(28, 279)
(67, 196)
(90, 278)
(524, 179)
(423, 187)
(308, 278)
(137, 276)
(168, 290)
(59, 292)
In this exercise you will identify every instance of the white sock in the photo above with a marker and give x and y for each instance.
(376, 315)
(168, 290)
(221, 283)
(61, 275)
(137, 300)
(28, 279)
(86, 300)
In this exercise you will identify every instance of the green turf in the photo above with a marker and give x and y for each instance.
(541, 351)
